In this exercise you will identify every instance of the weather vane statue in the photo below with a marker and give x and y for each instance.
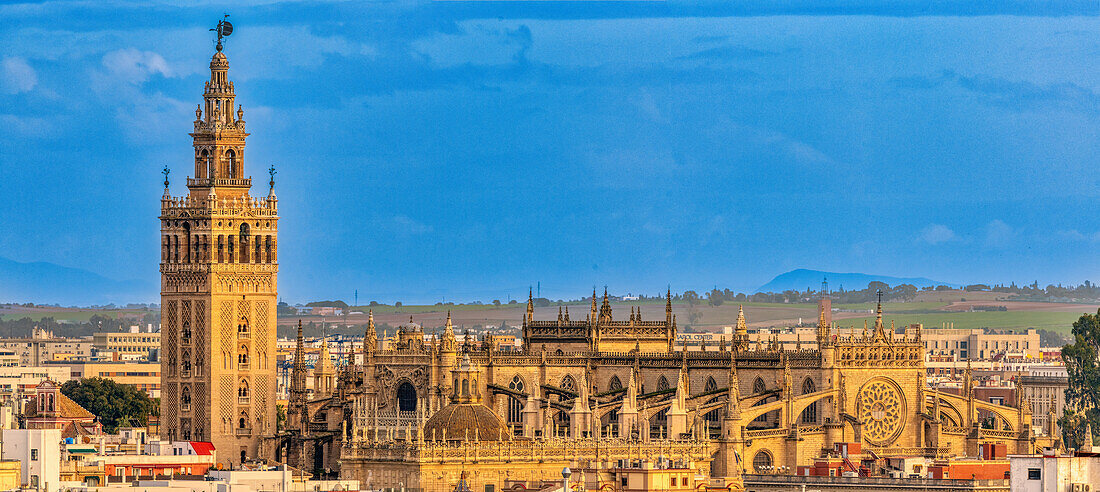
(224, 29)
(165, 172)
(272, 172)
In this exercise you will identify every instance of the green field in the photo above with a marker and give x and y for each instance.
(1004, 320)
(701, 316)
(75, 315)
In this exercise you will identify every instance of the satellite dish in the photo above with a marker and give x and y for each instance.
(226, 28)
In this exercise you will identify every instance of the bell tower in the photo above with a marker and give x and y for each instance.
(218, 287)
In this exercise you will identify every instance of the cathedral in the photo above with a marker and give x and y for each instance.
(608, 397)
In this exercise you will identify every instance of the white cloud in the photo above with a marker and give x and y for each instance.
(937, 234)
(133, 66)
(16, 76)
(999, 234)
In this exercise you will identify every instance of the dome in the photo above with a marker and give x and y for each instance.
(219, 60)
(456, 419)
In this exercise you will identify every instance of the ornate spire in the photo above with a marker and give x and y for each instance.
(298, 383)
(594, 315)
(370, 337)
(879, 327)
(741, 331)
(668, 306)
(530, 306)
(605, 308)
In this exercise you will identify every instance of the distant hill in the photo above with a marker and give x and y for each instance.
(802, 279)
(47, 283)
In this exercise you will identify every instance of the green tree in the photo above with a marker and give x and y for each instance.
(112, 402)
(1083, 393)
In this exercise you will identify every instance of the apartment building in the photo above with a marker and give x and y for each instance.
(142, 375)
(133, 342)
(979, 344)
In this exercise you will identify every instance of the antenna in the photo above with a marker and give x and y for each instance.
(224, 29)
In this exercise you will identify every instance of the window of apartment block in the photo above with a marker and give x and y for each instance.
(1034, 474)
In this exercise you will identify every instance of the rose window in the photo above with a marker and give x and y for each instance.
(882, 411)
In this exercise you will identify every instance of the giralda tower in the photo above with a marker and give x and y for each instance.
(218, 288)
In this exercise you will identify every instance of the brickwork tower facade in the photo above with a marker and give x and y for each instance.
(219, 289)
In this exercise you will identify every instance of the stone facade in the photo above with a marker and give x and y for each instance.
(218, 289)
(735, 409)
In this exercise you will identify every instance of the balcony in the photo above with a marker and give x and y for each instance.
(242, 400)
(186, 407)
(242, 367)
(244, 432)
(211, 182)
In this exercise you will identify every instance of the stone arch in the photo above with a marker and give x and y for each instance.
(758, 386)
(243, 238)
(242, 392)
(407, 398)
(762, 461)
(187, 245)
(230, 163)
(809, 414)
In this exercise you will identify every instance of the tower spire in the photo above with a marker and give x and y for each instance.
(530, 306)
(668, 306)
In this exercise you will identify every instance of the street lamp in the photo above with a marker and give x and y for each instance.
(565, 472)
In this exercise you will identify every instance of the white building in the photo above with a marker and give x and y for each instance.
(1051, 472)
(39, 451)
(18, 381)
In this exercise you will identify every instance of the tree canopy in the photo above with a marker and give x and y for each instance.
(113, 403)
(1083, 393)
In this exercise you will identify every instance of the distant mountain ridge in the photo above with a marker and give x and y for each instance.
(47, 283)
(801, 279)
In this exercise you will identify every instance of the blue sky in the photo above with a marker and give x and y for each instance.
(469, 149)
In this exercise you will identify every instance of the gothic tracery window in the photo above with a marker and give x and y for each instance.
(568, 384)
(662, 384)
(515, 406)
(614, 384)
(809, 415)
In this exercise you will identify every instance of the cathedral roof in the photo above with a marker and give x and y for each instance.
(459, 421)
